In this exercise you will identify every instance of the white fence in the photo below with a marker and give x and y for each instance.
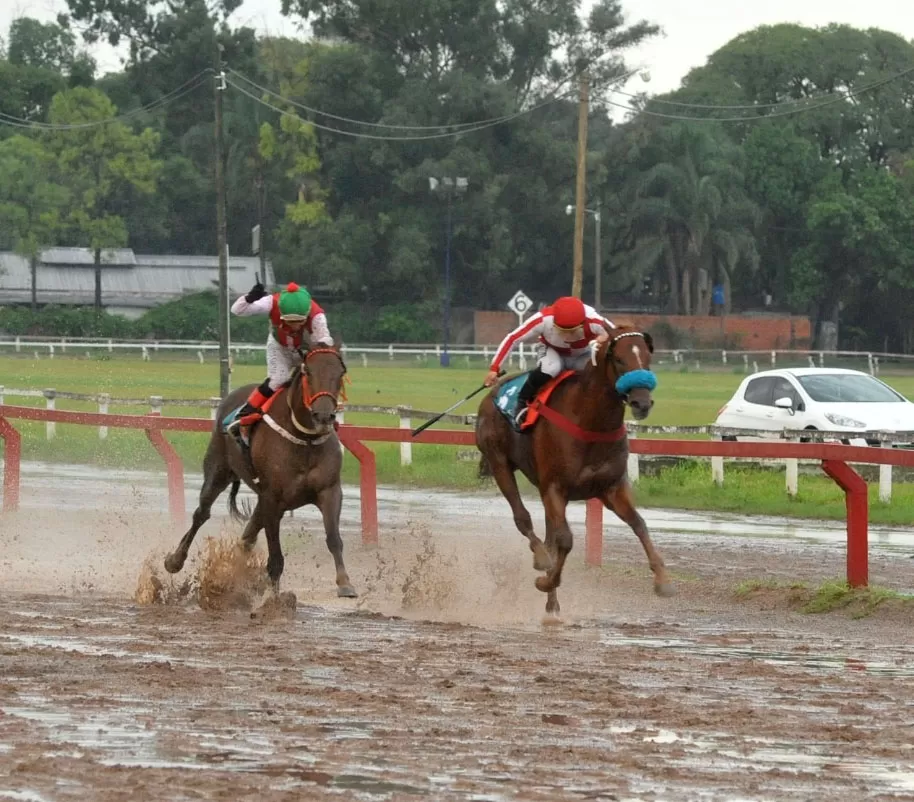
(747, 361)
(408, 416)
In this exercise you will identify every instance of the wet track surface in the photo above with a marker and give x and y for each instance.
(99, 697)
(440, 681)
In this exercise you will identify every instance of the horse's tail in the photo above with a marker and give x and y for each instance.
(237, 514)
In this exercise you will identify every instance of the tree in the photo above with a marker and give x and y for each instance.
(49, 46)
(690, 215)
(859, 240)
(103, 164)
(31, 202)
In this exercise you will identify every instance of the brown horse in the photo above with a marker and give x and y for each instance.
(579, 450)
(294, 460)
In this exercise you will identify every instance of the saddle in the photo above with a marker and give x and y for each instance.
(507, 396)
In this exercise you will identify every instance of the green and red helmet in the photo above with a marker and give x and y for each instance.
(294, 303)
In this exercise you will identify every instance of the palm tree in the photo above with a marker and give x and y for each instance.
(690, 216)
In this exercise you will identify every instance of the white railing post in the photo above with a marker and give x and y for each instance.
(717, 470)
(214, 402)
(110, 346)
(50, 427)
(155, 405)
(821, 359)
(885, 483)
(793, 472)
(18, 344)
(50, 350)
(145, 354)
(200, 356)
(869, 364)
(406, 447)
(774, 358)
(103, 400)
(1, 395)
(723, 357)
(63, 346)
(364, 360)
(745, 363)
(634, 462)
(390, 352)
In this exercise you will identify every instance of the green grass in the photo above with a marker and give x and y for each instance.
(683, 398)
(828, 597)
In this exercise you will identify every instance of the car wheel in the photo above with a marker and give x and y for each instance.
(808, 429)
(729, 438)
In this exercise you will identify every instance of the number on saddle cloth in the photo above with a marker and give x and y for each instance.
(507, 395)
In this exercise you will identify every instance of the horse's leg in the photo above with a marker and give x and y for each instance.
(217, 477)
(330, 503)
(558, 539)
(271, 515)
(252, 528)
(619, 500)
(507, 483)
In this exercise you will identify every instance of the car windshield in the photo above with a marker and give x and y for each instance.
(844, 388)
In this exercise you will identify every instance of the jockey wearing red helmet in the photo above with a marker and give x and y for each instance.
(564, 331)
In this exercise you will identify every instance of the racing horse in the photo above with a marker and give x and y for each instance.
(578, 450)
(294, 459)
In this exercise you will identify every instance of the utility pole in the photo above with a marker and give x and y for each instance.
(580, 188)
(597, 261)
(221, 236)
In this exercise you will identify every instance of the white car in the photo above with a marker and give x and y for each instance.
(829, 399)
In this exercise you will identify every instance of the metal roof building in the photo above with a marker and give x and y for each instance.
(131, 283)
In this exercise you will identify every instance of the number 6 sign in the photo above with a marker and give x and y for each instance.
(520, 304)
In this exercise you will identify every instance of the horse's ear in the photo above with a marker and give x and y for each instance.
(649, 341)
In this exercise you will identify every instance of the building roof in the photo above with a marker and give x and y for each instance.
(129, 280)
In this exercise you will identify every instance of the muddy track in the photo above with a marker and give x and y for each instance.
(440, 681)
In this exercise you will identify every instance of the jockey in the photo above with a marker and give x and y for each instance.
(564, 330)
(292, 312)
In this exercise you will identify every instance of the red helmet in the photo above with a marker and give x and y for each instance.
(568, 313)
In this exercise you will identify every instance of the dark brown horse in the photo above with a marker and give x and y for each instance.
(294, 460)
(578, 450)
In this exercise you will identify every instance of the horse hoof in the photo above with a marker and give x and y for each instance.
(346, 592)
(665, 590)
(552, 620)
(174, 563)
(542, 561)
(544, 584)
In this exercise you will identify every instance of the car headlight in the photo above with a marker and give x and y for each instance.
(840, 420)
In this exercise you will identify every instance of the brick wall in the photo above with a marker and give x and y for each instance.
(765, 332)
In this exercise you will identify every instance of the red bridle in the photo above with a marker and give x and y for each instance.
(306, 397)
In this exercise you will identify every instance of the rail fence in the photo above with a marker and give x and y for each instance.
(746, 361)
(835, 462)
(407, 418)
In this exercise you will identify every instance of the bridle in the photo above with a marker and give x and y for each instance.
(308, 398)
(636, 377)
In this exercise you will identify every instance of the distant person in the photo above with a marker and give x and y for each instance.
(292, 312)
(717, 298)
(565, 331)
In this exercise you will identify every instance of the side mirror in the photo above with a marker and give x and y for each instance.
(784, 403)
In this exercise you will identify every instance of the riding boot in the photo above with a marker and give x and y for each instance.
(251, 412)
(536, 380)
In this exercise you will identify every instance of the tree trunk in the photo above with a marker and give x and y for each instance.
(98, 279)
(673, 279)
(725, 280)
(33, 266)
(827, 331)
(687, 291)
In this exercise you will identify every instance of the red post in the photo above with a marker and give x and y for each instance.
(857, 502)
(175, 470)
(593, 537)
(368, 485)
(12, 457)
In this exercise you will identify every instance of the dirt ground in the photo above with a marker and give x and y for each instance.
(440, 680)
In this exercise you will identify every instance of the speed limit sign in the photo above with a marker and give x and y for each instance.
(520, 304)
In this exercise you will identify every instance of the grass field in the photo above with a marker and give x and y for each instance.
(683, 398)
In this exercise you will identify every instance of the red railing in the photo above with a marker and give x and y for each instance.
(834, 458)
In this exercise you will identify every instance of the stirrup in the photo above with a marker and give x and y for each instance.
(521, 415)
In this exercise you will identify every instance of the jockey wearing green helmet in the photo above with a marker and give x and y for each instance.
(293, 312)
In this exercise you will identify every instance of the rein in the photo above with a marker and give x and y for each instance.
(308, 401)
(569, 427)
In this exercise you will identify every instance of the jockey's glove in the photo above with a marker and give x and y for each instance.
(257, 292)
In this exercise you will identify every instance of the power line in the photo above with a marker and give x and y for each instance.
(550, 98)
(394, 138)
(178, 92)
(834, 97)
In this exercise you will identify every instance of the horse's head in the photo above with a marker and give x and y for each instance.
(624, 359)
(322, 373)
